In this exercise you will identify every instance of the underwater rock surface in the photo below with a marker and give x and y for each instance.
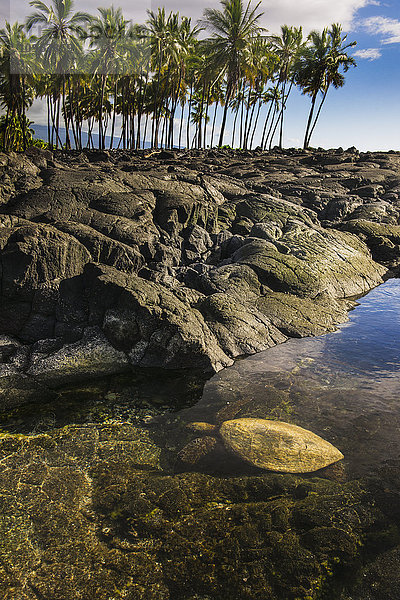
(96, 512)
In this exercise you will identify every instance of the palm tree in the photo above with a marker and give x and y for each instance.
(157, 31)
(232, 28)
(319, 68)
(16, 64)
(288, 47)
(187, 47)
(108, 37)
(60, 42)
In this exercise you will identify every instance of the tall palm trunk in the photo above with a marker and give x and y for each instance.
(310, 116)
(317, 116)
(102, 93)
(282, 113)
(225, 113)
(263, 139)
(173, 109)
(213, 125)
(23, 112)
(189, 114)
(181, 125)
(71, 106)
(255, 123)
(234, 127)
(206, 116)
(285, 99)
(114, 112)
(245, 135)
(66, 120)
(48, 118)
(154, 128)
(199, 138)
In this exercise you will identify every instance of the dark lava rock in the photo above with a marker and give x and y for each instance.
(226, 254)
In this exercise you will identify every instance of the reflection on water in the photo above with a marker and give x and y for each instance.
(344, 386)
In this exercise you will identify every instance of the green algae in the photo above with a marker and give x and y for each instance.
(88, 511)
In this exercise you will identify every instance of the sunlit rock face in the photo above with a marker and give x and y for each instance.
(187, 261)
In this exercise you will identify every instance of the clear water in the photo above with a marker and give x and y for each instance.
(344, 386)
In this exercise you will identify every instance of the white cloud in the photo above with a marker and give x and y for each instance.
(368, 53)
(390, 28)
(311, 14)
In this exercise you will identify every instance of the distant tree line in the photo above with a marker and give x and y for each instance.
(162, 83)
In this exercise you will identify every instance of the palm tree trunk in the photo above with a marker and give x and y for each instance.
(271, 129)
(234, 127)
(154, 129)
(245, 135)
(249, 127)
(317, 116)
(213, 125)
(199, 138)
(48, 119)
(189, 114)
(282, 113)
(5, 129)
(71, 104)
(23, 113)
(145, 129)
(310, 116)
(255, 123)
(263, 140)
(114, 113)
(225, 114)
(181, 125)
(66, 120)
(241, 121)
(58, 121)
(172, 115)
(103, 85)
(206, 116)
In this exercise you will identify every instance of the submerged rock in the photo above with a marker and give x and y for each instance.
(267, 444)
(278, 446)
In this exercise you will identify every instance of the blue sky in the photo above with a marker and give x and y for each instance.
(364, 113)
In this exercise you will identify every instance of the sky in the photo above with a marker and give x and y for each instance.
(365, 113)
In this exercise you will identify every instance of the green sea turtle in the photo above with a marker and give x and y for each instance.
(272, 445)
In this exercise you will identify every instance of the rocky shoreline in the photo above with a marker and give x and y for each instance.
(114, 261)
(182, 259)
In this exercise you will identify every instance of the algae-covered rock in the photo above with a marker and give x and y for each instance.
(88, 512)
(300, 317)
(278, 446)
(89, 357)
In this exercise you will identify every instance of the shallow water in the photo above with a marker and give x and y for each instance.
(344, 386)
(241, 533)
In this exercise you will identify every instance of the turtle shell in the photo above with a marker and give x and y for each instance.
(278, 446)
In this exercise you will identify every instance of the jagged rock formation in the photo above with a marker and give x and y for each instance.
(182, 260)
